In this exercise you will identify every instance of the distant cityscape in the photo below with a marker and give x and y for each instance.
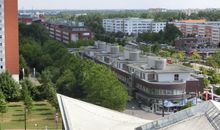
(108, 69)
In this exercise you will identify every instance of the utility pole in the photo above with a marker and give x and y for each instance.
(163, 106)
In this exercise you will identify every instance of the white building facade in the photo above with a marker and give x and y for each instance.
(2, 37)
(132, 25)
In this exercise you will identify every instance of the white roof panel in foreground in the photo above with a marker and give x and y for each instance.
(203, 116)
(79, 115)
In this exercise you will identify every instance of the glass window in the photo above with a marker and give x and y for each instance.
(176, 77)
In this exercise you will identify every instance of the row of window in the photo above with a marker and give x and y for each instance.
(154, 91)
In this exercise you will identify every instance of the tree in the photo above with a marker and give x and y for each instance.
(3, 106)
(145, 48)
(105, 90)
(171, 32)
(195, 56)
(9, 87)
(66, 83)
(179, 55)
(203, 70)
(217, 91)
(23, 65)
(211, 61)
(214, 60)
(155, 48)
(69, 74)
(28, 102)
(164, 53)
(51, 95)
(206, 82)
(215, 78)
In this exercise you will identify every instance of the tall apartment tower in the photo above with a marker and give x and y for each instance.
(9, 50)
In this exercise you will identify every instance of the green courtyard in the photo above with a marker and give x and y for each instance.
(41, 117)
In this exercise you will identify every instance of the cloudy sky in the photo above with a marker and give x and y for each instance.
(117, 4)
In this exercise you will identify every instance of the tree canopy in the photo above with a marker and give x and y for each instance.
(69, 74)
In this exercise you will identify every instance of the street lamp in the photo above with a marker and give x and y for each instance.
(211, 91)
(163, 106)
(133, 110)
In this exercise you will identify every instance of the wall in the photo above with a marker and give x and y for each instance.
(170, 76)
(11, 36)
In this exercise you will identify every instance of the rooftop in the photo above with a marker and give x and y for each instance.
(204, 116)
(79, 115)
(174, 68)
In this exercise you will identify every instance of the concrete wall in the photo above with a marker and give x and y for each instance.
(170, 76)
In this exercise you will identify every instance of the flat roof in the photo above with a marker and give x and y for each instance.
(174, 68)
(80, 115)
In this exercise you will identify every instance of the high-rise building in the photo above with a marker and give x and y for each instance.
(9, 52)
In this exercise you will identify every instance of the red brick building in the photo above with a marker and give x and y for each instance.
(67, 33)
(9, 52)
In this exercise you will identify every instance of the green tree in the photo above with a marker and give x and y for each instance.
(215, 78)
(206, 82)
(23, 65)
(179, 55)
(28, 102)
(214, 60)
(105, 90)
(217, 91)
(164, 53)
(9, 87)
(50, 92)
(155, 48)
(145, 48)
(69, 74)
(171, 32)
(3, 107)
(195, 56)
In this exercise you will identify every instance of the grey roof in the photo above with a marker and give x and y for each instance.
(170, 68)
(204, 116)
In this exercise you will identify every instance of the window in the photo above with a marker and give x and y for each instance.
(176, 77)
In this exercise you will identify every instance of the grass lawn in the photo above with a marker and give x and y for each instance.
(42, 114)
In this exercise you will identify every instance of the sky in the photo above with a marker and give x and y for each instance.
(117, 4)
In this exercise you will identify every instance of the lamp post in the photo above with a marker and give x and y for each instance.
(212, 91)
(163, 106)
(133, 110)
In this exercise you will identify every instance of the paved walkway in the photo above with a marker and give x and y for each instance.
(34, 81)
(133, 109)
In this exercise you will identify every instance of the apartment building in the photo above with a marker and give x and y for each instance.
(67, 32)
(9, 55)
(149, 79)
(132, 25)
(30, 17)
(206, 29)
(203, 45)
